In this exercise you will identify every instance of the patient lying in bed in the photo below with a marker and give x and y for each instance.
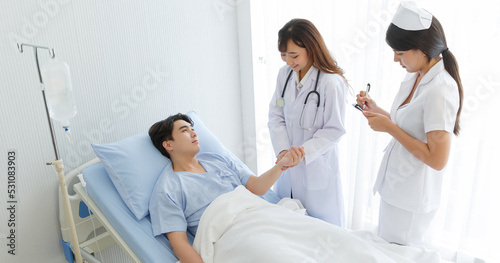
(215, 197)
(180, 198)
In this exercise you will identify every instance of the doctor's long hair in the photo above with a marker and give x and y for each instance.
(431, 42)
(304, 34)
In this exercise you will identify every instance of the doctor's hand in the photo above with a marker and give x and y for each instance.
(292, 157)
(378, 122)
(365, 102)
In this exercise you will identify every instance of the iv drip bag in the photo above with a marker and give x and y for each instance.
(58, 91)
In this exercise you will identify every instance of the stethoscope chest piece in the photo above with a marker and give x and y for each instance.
(280, 102)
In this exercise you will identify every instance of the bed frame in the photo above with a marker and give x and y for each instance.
(94, 231)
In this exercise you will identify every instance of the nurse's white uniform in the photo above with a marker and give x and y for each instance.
(410, 190)
(316, 180)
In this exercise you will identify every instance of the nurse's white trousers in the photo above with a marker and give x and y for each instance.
(400, 226)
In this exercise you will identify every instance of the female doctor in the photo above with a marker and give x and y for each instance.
(424, 114)
(308, 109)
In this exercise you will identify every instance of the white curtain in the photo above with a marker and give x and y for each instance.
(467, 223)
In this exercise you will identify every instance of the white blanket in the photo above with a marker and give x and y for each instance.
(241, 227)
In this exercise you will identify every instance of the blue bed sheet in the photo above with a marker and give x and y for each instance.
(138, 234)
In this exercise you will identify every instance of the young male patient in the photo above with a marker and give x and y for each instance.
(180, 197)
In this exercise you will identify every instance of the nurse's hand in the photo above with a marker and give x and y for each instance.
(378, 122)
(292, 157)
(366, 102)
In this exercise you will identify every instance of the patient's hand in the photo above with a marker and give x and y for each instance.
(282, 153)
(292, 157)
(259, 185)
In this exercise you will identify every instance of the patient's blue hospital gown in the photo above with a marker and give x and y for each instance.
(180, 198)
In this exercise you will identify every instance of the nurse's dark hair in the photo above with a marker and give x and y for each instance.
(162, 131)
(304, 34)
(431, 42)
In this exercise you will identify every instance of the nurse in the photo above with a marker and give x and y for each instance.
(308, 109)
(423, 117)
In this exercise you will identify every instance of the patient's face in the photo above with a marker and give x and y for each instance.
(185, 139)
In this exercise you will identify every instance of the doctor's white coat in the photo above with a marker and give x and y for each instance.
(316, 180)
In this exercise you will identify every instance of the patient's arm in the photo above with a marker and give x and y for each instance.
(260, 185)
(182, 249)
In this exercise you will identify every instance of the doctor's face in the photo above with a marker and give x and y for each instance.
(185, 139)
(296, 57)
(412, 60)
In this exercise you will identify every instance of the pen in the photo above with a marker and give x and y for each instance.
(366, 93)
(357, 106)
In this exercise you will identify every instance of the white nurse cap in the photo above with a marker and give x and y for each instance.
(410, 17)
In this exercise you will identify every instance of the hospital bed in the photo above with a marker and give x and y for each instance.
(104, 216)
(135, 237)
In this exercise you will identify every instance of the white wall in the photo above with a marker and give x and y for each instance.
(186, 50)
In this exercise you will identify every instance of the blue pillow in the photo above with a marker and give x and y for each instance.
(134, 164)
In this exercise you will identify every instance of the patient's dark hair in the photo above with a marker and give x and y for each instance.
(162, 131)
(432, 43)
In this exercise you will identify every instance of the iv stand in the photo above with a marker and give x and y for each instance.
(58, 163)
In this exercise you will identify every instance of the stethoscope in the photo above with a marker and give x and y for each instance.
(281, 101)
